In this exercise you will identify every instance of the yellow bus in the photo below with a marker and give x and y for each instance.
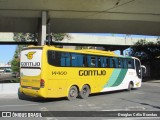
(50, 72)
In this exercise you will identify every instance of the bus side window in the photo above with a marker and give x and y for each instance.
(91, 61)
(107, 62)
(116, 62)
(62, 59)
(120, 63)
(101, 62)
(110, 62)
(85, 64)
(77, 60)
(125, 63)
(68, 59)
(80, 60)
(113, 62)
(51, 57)
(104, 62)
(65, 59)
(54, 58)
(74, 60)
(88, 61)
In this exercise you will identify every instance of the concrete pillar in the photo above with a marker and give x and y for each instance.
(43, 29)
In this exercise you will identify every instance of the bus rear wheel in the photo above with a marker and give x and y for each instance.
(73, 93)
(21, 96)
(85, 91)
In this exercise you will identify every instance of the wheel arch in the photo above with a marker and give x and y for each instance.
(132, 83)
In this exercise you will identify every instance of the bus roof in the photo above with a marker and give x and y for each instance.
(83, 51)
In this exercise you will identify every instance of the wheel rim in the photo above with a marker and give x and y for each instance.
(84, 91)
(72, 93)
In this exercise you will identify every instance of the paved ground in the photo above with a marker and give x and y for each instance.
(146, 98)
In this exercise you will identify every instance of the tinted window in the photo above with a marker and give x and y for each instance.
(57, 58)
(113, 62)
(101, 62)
(93, 61)
(65, 59)
(90, 61)
(54, 58)
(130, 63)
(125, 63)
(120, 63)
(77, 60)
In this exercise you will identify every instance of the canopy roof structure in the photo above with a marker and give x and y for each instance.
(86, 16)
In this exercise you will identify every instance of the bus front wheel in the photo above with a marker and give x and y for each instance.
(73, 93)
(130, 86)
(85, 91)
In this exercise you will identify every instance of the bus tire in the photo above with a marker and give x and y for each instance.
(73, 93)
(130, 86)
(20, 95)
(85, 91)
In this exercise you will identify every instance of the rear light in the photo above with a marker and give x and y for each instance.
(42, 83)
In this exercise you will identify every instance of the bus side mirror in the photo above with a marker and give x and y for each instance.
(143, 69)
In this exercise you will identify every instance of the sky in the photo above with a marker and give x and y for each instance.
(119, 35)
(6, 53)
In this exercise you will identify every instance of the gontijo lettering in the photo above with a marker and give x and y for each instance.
(92, 73)
(30, 64)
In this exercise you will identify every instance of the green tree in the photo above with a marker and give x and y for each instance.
(59, 36)
(146, 50)
(24, 37)
(149, 54)
(15, 63)
(30, 37)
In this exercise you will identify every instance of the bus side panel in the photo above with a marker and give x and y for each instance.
(56, 82)
(62, 78)
(123, 80)
(94, 77)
